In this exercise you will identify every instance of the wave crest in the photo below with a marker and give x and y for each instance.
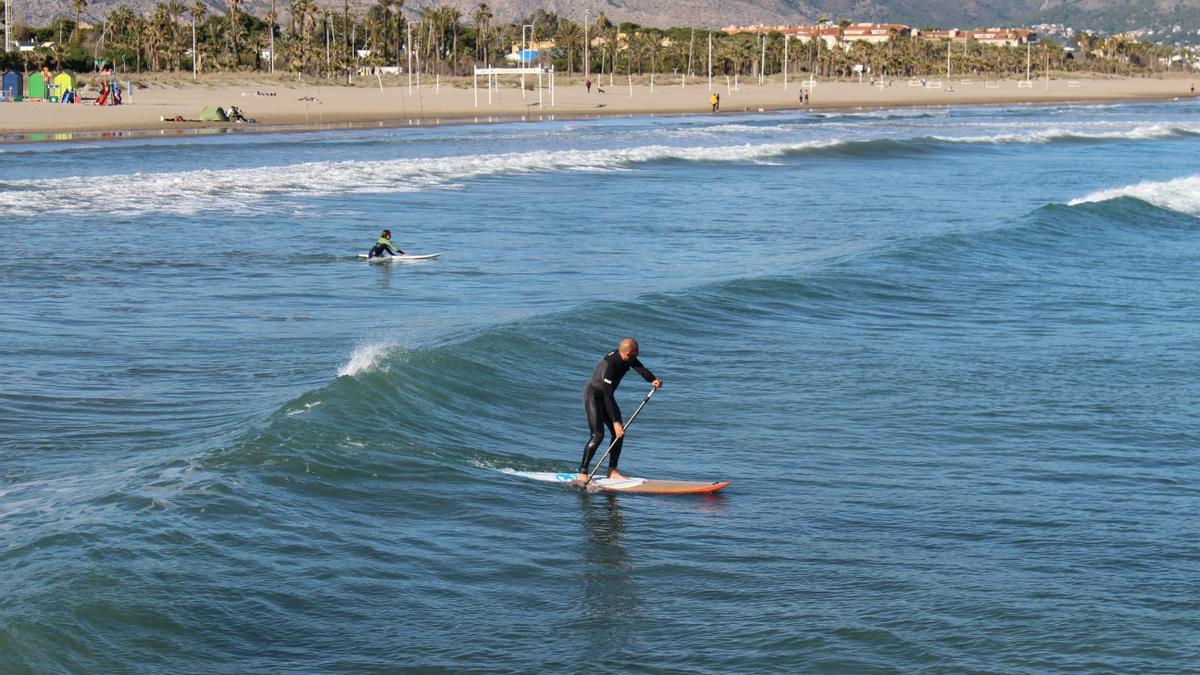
(1181, 194)
(239, 191)
(365, 358)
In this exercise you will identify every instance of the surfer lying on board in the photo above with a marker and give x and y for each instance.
(601, 406)
(384, 246)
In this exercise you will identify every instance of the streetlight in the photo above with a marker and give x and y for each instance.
(524, 58)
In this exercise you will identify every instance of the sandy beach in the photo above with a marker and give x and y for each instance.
(275, 102)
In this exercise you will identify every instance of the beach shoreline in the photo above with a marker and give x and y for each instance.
(282, 106)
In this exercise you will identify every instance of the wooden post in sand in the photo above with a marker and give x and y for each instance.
(710, 65)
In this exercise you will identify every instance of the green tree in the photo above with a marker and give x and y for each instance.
(570, 38)
(483, 18)
(78, 6)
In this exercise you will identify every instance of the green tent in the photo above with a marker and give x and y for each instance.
(36, 87)
(214, 113)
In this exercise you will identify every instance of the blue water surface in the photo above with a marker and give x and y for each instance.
(947, 356)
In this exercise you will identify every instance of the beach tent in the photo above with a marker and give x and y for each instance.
(11, 84)
(37, 87)
(64, 82)
(214, 113)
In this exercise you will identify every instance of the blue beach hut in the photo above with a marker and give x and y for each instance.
(13, 86)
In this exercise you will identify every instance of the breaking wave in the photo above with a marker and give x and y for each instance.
(1181, 195)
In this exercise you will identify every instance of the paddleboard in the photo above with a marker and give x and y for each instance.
(399, 258)
(632, 485)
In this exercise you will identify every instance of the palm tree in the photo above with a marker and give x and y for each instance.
(156, 36)
(199, 12)
(235, 7)
(304, 23)
(174, 10)
(643, 46)
(570, 37)
(272, 20)
(378, 28)
(450, 20)
(397, 7)
(483, 18)
(78, 6)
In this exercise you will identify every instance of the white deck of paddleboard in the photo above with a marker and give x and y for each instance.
(398, 258)
(550, 477)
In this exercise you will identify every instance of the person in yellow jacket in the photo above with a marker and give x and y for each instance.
(384, 247)
(715, 99)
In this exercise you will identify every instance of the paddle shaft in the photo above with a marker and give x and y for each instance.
(626, 426)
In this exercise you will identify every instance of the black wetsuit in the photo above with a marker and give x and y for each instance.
(384, 248)
(601, 406)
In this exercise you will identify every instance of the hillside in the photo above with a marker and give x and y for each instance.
(1103, 15)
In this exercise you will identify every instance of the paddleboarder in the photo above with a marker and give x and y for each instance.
(384, 246)
(601, 406)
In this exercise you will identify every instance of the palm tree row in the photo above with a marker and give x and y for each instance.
(323, 40)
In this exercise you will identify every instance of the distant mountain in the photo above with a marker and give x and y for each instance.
(1101, 15)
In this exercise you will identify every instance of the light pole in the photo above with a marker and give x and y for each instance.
(524, 60)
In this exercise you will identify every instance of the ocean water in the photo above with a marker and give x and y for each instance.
(947, 356)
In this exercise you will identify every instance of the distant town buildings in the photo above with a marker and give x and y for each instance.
(846, 35)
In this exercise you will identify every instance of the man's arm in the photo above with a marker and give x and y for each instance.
(645, 372)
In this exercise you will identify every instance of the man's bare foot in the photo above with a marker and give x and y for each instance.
(582, 478)
(617, 475)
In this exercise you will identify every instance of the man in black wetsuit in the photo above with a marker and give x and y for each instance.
(601, 406)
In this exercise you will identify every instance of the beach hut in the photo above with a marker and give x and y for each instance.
(37, 86)
(63, 83)
(12, 86)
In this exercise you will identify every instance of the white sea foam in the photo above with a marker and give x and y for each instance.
(1049, 135)
(365, 358)
(238, 192)
(1181, 195)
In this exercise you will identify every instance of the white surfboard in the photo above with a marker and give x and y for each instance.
(630, 484)
(399, 258)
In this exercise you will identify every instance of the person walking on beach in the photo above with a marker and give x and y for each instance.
(715, 100)
(384, 246)
(601, 406)
(588, 84)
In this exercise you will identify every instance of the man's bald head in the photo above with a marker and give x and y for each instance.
(628, 348)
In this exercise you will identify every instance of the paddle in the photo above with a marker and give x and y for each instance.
(610, 445)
